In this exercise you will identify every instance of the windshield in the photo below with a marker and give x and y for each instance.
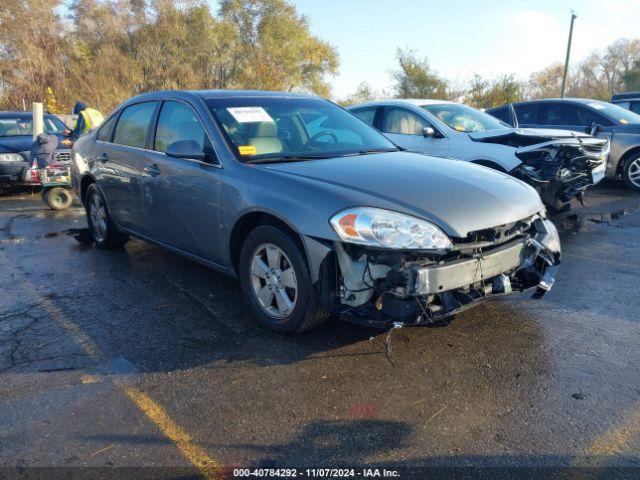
(293, 128)
(19, 126)
(465, 119)
(619, 115)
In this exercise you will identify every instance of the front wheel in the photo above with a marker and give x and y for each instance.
(275, 278)
(103, 231)
(631, 172)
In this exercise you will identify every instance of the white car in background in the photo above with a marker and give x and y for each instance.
(560, 164)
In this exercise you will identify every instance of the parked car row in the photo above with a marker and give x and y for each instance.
(314, 210)
(560, 164)
(601, 119)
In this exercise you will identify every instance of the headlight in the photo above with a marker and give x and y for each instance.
(382, 228)
(11, 157)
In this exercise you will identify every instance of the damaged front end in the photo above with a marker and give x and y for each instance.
(560, 169)
(382, 287)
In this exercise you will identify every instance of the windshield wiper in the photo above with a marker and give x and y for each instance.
(380, 150)
(288, 158)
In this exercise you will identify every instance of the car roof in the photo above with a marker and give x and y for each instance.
(211, 94)
(625, 96)
(584, 101)
(416, 102)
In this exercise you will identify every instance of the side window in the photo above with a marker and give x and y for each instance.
(635, 107)
(589, 117)
(104, 133)
(401, 120)
(178, 122)
(366, 114)
(527, 114)
(560, 114)
(133, 124)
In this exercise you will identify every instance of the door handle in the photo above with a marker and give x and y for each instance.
(103, 157)
(152, 170)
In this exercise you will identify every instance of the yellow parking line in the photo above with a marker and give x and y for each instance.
(81, 339)
(196, 455)
(614, 440)
(205, 464)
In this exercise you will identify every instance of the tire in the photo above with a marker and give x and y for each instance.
(103, 231)
(306, 313)
(631, 172)
(57, 198)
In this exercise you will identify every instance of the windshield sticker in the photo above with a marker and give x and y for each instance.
(597, 106)
(247, 150)
(459, 128)
(623, 121)
(249, 114)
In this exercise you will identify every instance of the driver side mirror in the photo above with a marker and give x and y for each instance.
(428, 132)
(189, 149)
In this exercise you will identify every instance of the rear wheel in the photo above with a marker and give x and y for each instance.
(57, 198)
(103, 231)
(274, 276)
(631, 172)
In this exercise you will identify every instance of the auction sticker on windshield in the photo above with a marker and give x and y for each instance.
(250, 114)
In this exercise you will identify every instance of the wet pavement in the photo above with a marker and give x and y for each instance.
(140, 358)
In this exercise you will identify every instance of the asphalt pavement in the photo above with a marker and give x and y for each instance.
(141, 358)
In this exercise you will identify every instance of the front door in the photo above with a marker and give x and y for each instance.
(180, 196)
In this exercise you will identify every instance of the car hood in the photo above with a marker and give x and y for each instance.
(23, 143)
(458, 196)
(543, 134)
(15, 144)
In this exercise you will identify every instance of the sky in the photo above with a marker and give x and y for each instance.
(462, 37)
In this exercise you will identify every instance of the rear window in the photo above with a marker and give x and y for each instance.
(501, 113)
(133, 124)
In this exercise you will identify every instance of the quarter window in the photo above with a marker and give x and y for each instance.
(401, 120)
(178, 122)
(104, 134)
(366, 114)
(133, 124)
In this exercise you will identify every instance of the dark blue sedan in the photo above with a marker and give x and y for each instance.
(16, 138)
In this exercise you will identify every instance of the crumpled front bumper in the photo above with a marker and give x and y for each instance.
(419, 294)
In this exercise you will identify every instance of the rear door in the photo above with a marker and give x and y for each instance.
(404, 127)
(180, 196)
(118, 164)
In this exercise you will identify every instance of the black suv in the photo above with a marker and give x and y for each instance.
(602, 119)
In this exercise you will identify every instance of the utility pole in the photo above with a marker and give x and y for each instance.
(566, 60)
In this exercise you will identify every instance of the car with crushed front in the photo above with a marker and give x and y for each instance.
(16, 140)
(314, 211)
(621, 127)
(559, 164)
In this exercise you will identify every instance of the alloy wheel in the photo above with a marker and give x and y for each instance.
(273, 280)
(634, 172)
(98, 218)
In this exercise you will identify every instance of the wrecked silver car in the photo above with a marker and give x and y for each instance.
(313, 210)
(559, 164)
